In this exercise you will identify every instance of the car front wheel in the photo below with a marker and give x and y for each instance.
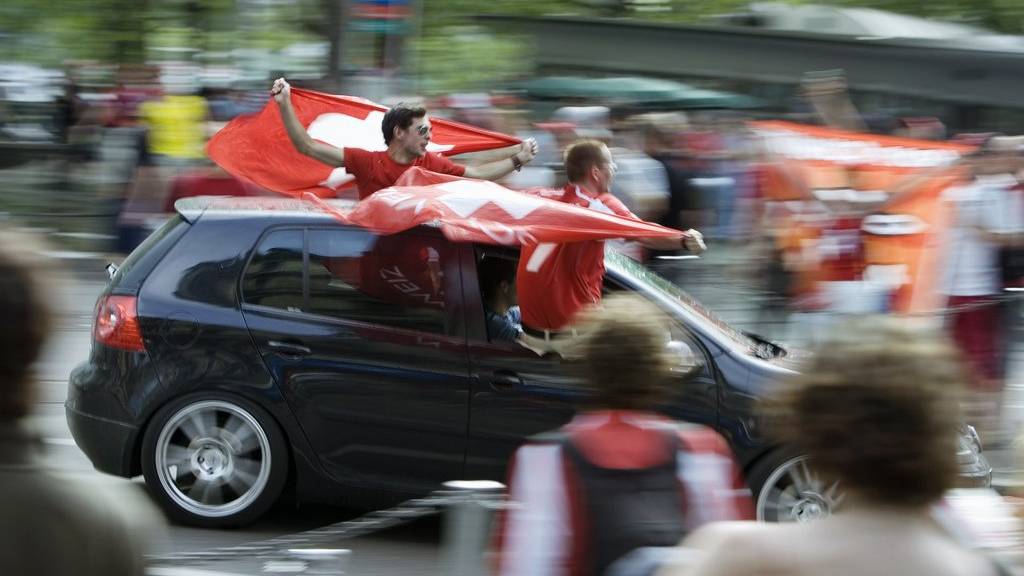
(214, 461)
(789, 490)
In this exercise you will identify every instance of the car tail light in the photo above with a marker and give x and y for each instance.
(117, 324)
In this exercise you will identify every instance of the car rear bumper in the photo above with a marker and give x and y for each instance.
(96, 419)
(107, 444)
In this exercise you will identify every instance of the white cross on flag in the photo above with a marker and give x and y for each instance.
(468, 210)
(256, 147)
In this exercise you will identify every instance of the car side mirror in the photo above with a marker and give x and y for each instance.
(685, 361)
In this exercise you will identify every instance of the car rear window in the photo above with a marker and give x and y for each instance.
(274, 277)
(144, 258)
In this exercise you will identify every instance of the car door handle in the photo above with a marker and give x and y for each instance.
(289, 348)
(504, 380)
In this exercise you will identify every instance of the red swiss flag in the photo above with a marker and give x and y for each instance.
(468, 210)
(256, 147)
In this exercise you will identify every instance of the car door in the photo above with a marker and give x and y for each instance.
(515, 394)
(359, 333)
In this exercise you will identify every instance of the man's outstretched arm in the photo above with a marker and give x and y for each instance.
(497, 169)
(331, 155)
(693, 242)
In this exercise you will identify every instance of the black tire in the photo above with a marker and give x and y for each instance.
(786, 488)
(214, 460)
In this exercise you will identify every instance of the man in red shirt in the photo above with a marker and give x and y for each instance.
(406, 133)
(557, 281)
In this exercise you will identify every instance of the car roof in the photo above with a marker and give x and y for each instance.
(192, 208)
(293, 210)
(271, 210)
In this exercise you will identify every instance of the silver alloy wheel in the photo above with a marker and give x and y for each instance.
(213, 458)
(793, 492)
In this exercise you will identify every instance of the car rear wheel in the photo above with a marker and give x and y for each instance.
(214, 461)
(789, 490)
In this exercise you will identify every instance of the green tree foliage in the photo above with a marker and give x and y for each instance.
(444, 48)
(466, 58)
(1006, 16)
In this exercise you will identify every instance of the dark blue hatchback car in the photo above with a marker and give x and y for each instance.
(254, 344)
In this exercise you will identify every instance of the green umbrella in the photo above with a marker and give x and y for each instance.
(636, 90)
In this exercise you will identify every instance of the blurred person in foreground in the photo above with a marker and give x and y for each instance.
(406, 133)
(619, 477)
(876, 410)
(51, 525)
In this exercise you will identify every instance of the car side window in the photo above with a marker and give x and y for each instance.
(274, 276)
(396, 280)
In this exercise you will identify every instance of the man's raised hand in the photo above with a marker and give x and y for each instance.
(281, 91)
(694, 242)
(527, 150)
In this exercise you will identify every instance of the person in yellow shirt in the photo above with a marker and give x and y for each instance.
(177, 126)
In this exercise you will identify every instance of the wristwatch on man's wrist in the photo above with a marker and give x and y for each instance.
(517, 164)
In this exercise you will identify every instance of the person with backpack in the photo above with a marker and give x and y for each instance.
(619, 477)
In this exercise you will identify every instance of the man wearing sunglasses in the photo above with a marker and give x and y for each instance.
(406, 133)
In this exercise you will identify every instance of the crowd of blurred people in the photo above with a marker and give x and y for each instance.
(131, 137)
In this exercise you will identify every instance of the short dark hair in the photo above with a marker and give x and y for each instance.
(877, 409)
(400, 116)
(581, 156)
(624, 353)
(492, 271)
(26, 314)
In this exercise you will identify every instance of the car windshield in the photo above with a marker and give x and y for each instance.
(641, 273)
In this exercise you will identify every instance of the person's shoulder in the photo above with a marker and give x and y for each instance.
(698, 438)
(86, 508)
(358, 157)
(611, 200)
(739, 547)
(540, 451)
(362, 152)
(717, 534)
(106, 502)
(615, 205)
(547, 438)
